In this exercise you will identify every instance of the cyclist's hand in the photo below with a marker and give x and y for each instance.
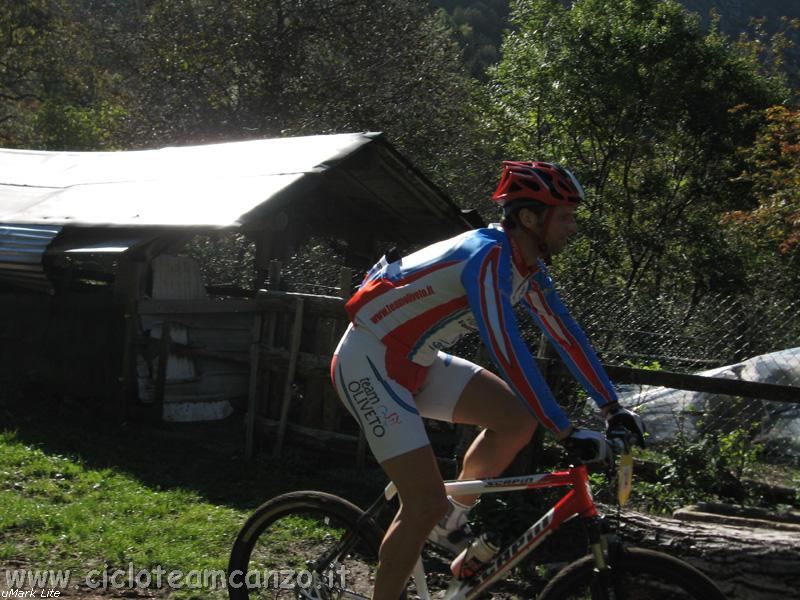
(590, 447)
(619, 417)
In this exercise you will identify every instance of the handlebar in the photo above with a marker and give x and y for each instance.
(621, 441)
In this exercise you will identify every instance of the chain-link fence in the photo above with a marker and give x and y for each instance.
(738, 337)
(675, 334)
(747, 337)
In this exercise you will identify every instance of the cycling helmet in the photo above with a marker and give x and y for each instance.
(526, 183)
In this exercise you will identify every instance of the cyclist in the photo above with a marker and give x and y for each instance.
(389, 369)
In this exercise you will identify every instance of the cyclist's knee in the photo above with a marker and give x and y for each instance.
(425, 511)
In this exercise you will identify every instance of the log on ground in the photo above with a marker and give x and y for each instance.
(746, 562)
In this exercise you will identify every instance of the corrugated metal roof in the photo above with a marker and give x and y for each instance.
(347, 185)
(212, 185)
(21, 252)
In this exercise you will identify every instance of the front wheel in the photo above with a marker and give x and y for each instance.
(636, 574)
(309, 545)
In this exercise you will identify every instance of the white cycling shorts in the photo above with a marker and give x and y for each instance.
(388, 413)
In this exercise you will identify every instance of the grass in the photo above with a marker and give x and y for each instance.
(58, 513)
(82, 495)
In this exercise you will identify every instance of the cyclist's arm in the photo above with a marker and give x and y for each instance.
(568, 338)
(487, 281)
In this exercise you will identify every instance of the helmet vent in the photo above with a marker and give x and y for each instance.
(546, 183)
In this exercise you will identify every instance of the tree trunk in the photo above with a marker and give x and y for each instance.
(745, 557)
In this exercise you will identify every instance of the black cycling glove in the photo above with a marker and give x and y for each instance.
(588, 446)
(619, 417)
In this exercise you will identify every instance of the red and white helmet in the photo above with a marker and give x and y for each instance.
(536, 182)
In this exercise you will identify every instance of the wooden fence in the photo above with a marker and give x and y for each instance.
(291, 338)
(286, 362)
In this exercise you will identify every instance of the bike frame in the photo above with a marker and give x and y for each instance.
(576, 502)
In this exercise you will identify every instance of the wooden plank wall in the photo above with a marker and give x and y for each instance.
(285, 353)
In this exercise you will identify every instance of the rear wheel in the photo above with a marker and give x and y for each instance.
(305, 545)
(636, 574)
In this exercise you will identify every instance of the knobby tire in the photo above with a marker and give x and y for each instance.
(637, 574)
(292, 529)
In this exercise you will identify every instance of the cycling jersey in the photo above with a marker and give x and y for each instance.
(430, 299)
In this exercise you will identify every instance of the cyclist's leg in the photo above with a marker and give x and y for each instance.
(508, 426)
(460, 392)
(393, 428)
(423, 503)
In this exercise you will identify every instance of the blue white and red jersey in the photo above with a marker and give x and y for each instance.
(430, 299)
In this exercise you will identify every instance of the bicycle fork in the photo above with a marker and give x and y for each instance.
(604, 580)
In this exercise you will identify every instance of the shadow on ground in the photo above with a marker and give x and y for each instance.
(206, 458)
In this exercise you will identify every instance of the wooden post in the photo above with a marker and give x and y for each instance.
(275, 275)
(269, 341)
(130, 285)
(252, 392)
(127, 375)
(161, 371)
(297, 330)
(346, 282)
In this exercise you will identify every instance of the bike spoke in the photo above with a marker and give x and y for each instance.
(284, 558)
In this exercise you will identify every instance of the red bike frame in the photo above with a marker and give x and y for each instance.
(576, 502)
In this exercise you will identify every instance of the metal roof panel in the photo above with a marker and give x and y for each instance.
(21, 252)
(211, 185)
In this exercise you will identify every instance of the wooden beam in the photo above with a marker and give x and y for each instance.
(161, 371)
(269, 426)
(252, 390)
(269, 300)
(345, 283)
(127, 376)
(297, 330)
(700, 383)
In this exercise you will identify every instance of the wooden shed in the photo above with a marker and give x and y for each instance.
(95, 301)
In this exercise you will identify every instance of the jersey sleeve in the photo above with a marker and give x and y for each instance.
(487, 281)
(568, 338)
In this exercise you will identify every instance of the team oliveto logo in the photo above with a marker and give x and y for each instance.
(374, 415)
(400, 302)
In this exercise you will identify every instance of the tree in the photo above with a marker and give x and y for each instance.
(207, 70)
(769, 232)
(478, 26)
(649, 111)
(52, 96)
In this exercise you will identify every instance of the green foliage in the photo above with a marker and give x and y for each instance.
(53, 93)
(210, 70)
(710, 468)
(796, 482)
(647, 109)
(768, 232)
(225, 259)
(76, 127)
(653, 365)
(478, 26)
(90, 75)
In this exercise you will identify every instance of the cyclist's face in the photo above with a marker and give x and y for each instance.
(562, 227)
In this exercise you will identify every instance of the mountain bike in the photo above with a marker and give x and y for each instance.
(319, 546)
